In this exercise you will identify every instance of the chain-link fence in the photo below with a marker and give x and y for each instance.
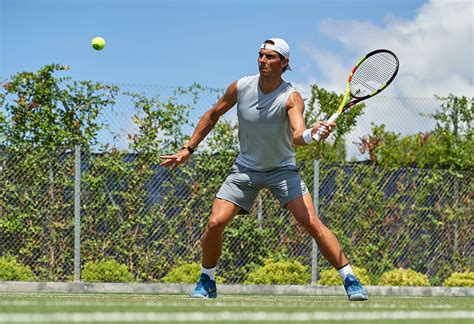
(61, 207)
(152, 219)
(399, 114)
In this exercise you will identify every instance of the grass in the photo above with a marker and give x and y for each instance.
(131, 308)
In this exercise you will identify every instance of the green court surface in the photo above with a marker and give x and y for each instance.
(148, 308)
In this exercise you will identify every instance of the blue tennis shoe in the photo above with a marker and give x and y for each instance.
(205, 288)
(354, 289)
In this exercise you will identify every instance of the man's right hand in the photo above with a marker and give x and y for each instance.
(326, 128)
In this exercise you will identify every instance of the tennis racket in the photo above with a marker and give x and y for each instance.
(370, 76)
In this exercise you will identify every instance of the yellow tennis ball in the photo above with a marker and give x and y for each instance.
(98, 43)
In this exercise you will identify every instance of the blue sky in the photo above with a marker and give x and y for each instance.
(178, 42)
(213, 42)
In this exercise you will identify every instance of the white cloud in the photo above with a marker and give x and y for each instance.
(435, 49)
(436, 56)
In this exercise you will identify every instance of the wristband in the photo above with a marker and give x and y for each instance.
(189, 148)
(307, 137)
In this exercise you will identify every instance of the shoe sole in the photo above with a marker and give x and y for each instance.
(201, 296)
(358, 297)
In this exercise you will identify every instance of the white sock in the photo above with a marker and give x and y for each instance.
(345, 271)
(211, 272)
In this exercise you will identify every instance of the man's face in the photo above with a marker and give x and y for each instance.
(269, 62)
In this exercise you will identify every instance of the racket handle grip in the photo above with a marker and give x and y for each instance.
(317, 136)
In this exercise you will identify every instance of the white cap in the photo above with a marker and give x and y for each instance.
(280, 46)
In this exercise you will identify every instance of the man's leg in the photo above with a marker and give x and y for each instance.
(222, 213)
(303, 210)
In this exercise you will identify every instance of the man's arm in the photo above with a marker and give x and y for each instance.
(295, 109)
(204, 126)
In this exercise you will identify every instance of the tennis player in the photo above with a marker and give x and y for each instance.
(270, 115)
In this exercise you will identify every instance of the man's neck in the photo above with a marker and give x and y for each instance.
(268, 85)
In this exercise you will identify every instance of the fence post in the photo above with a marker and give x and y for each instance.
(260, 210)
(314, 246)
(456, 189)
(77, 213)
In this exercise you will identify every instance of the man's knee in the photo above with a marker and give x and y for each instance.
(222, 213)
(314, 225)
(215, 225)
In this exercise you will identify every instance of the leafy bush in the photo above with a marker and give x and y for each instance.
(186, 273)
(12, 270)
(116, 184)
(460, 279)
(331, 277)
(106, 271)
(404, 277)
(290, 272)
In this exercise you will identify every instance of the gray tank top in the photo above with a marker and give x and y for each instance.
(264, 128)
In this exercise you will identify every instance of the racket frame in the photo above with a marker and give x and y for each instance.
(346, 102)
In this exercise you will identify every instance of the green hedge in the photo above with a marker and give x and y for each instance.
(460, 279)
(106, 271)
(289, 272)
(12, 270)
(404, 277)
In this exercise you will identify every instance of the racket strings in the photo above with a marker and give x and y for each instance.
(380, 66)
(373, 74)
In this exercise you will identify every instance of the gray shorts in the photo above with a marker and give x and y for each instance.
(242, 185)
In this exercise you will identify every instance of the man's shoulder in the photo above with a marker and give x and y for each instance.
(246, 82)
(290, 89)
(248, 79)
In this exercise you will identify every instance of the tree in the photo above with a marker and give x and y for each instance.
(42, 117)
(44, 110)
(321, 105)
(450, 145)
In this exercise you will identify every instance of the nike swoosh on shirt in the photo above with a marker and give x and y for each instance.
(259, 108)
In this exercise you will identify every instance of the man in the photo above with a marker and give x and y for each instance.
(270, 114)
